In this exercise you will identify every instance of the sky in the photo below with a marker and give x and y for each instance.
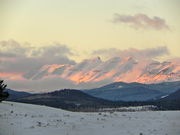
(69, 31)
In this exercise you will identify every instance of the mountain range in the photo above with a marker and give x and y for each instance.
(68, 99)
(121, 91)
(119, 94)
(113, 70)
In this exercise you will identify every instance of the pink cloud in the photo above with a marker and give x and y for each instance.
(141, 21)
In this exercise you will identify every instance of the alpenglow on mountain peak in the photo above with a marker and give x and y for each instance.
(112, 70)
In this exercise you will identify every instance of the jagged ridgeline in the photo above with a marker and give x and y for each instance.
(3, 94)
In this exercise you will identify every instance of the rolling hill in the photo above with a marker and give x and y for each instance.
(66, 99)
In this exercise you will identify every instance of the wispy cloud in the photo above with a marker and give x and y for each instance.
(148, 53)
(141, 21)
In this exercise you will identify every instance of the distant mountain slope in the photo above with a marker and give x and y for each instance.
(170, 102)
(165, 87)
(16, 94)
(120, 91)
(66, 99)
(173, 96)
(125, 94)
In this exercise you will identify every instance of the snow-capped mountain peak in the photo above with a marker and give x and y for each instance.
(115, 69)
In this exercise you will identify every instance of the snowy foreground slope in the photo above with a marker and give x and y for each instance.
(24, 119)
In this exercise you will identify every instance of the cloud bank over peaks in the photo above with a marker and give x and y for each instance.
(16, 57)
(49, 67)
(149, 53)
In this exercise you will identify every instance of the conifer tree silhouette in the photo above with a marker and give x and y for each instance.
(3, 95)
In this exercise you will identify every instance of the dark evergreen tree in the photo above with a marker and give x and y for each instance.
(3, 94)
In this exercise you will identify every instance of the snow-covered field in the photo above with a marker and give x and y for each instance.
(24, 119)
